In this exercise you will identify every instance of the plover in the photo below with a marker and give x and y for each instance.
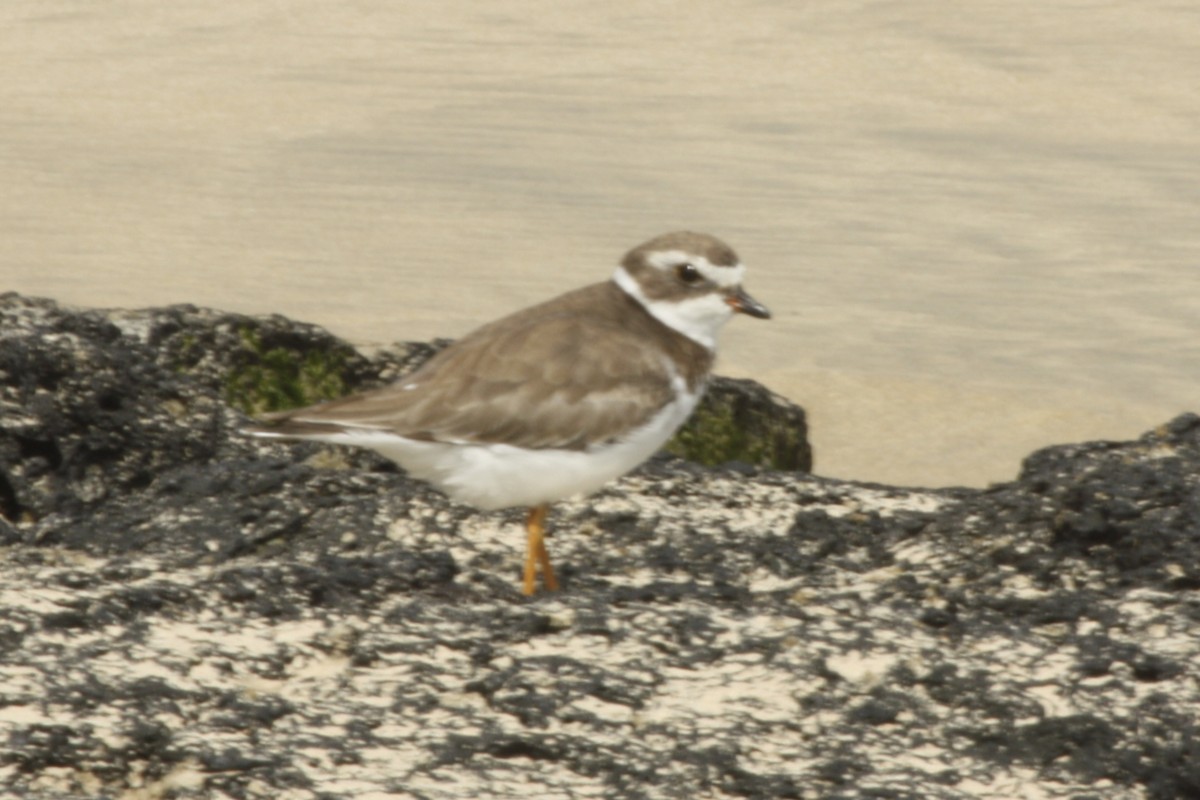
(557, 399)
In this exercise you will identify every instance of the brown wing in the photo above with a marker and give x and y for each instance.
(535, 380)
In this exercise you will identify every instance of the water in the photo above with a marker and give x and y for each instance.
(979, 229)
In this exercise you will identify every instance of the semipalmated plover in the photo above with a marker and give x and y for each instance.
(557, 399)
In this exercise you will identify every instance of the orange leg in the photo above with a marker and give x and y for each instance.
(535, 552)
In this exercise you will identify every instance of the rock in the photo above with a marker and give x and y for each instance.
(191, 614)
(741, 421)
(89, 415)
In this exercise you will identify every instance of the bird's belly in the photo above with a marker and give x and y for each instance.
(491, 476)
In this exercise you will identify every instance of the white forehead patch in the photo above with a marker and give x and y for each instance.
(725, 277)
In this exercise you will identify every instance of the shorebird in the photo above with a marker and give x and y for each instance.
(557, 399)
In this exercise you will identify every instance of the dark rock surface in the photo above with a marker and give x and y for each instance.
(186, 613)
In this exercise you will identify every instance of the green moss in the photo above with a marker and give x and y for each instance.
(712, 436)
(742, 421)
(184, 356)
(279, 378)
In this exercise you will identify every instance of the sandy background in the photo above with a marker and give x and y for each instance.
(978, 224)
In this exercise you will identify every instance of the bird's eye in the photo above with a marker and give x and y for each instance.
(687, 273)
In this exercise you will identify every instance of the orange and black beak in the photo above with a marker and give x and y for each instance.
(739, 301)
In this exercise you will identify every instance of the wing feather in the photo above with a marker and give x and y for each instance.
(562, 380)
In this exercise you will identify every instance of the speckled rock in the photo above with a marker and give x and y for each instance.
(185, 613)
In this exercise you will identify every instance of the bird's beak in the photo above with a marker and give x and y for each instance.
(739, 301)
